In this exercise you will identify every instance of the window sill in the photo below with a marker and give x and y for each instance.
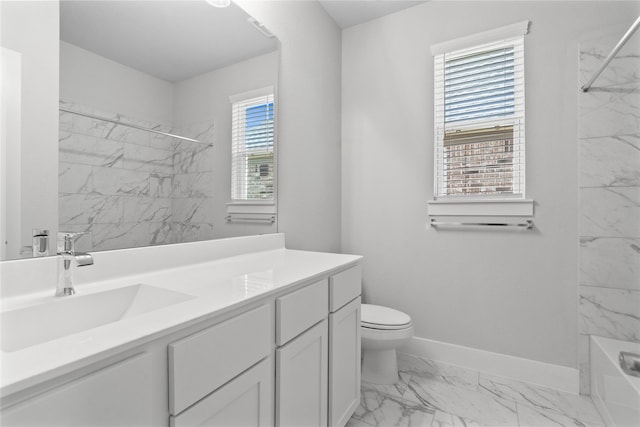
(497, 208)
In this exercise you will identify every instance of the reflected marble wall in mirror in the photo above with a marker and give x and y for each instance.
(164, 65)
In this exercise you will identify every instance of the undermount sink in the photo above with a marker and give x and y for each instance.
(29, 326)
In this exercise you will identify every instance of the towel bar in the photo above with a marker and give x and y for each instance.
(232, 218)
(528, 224)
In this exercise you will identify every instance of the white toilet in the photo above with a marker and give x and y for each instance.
(383, 330)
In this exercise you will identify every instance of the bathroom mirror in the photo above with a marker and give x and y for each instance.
(167, 66)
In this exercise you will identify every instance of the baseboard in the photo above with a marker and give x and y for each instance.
(544, 374)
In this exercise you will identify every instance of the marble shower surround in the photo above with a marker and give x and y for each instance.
(133, 188)
(609, 223)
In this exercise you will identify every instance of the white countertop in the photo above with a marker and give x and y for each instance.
(217, 286)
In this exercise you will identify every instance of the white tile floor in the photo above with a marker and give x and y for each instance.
(432, 394)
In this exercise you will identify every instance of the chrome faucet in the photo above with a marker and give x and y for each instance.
(40, 242)
(69, 258)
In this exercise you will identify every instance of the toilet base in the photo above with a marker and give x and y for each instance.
(380, 366)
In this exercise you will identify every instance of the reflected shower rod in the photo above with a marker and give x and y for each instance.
(117, 122)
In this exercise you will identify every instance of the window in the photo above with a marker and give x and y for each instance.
(252, 146)
(479, 118)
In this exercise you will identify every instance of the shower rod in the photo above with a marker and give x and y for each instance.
(117, 122)
(613, 53)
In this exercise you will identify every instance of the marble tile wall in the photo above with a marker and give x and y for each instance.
(609, 224)
(129, 187)
(192, 185)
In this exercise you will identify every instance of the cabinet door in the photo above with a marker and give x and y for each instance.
(246, 401)
(301, 379)
(344, 363)
(117, 395)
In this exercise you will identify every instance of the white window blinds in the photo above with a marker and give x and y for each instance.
(479, 121)
(252, 148)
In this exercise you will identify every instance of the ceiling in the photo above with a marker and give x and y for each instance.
(171, 40)
(354, 12)
(176, 40)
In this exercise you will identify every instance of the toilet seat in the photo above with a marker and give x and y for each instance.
(383, 318)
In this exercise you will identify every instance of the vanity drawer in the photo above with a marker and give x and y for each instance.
(245, 401)
(344, 287)
(299, 310)
(202, 362)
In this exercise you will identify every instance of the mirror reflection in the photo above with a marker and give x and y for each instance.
(172, 67)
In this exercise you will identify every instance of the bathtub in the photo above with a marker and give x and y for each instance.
(615, 394)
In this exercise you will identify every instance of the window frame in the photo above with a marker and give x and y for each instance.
(475, 205)
(257, 205)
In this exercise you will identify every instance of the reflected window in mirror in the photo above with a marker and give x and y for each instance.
(252, 147)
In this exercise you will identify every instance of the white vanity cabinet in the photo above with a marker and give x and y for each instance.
(116, 395)
(318, 363)
(344, 363)
(344, 345)
(302, 359)
(288, 358)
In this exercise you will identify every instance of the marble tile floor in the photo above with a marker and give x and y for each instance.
(433, 394)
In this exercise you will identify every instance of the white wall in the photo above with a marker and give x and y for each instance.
(206, 98)
(92, 80)
(507, 292)
(10, 153)
(309, 121)
(31, 28)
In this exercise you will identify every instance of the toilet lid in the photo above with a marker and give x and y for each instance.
(378, 317)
